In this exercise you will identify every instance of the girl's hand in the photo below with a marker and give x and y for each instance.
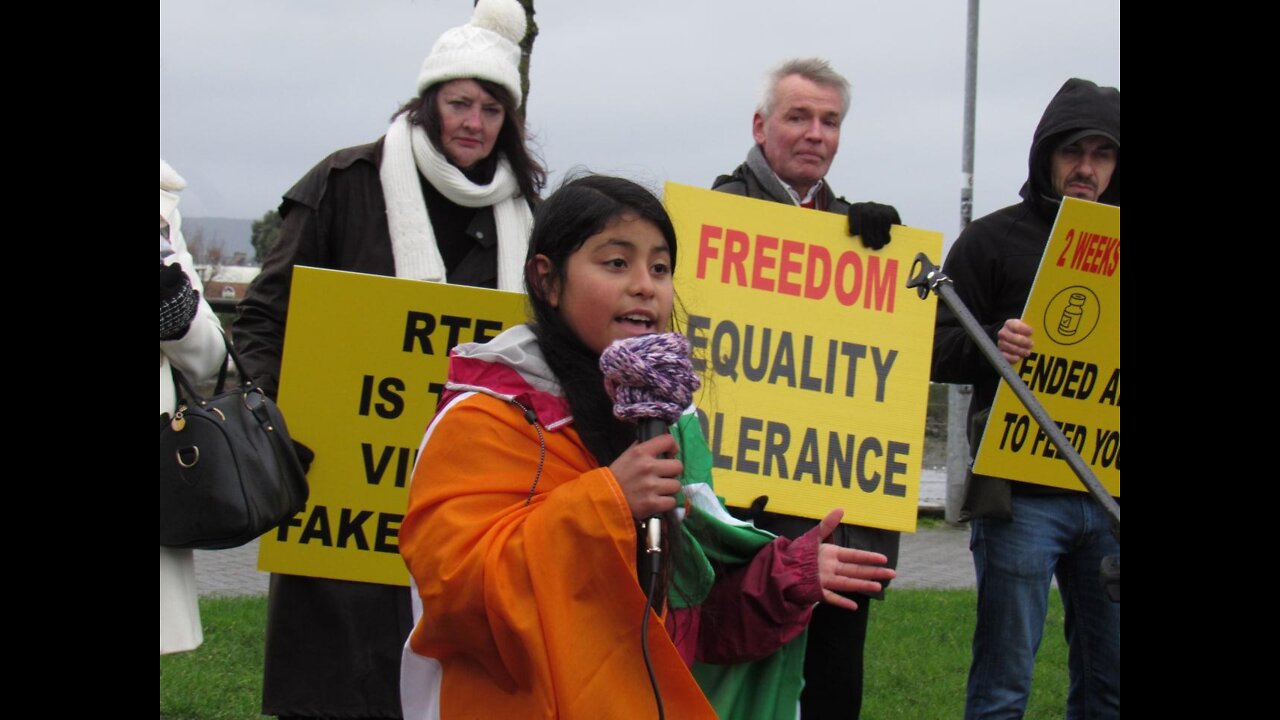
(649, 481)
(845, 569)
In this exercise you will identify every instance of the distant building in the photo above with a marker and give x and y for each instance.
(227, 282)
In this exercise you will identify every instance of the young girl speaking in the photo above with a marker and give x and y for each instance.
(521, 528)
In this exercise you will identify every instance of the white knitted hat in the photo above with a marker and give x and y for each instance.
(487, 48)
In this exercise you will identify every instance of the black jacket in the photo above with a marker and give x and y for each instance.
(994, 262)
(743, 182)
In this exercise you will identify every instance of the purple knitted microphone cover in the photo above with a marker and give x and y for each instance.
(650, 376)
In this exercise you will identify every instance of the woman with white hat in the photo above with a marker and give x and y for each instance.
(445, 196)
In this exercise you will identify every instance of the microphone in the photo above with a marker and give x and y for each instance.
(651, 381)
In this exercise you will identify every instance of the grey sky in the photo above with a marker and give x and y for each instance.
(255, 92)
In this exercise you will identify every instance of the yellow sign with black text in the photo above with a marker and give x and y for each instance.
(817, 356)
(1074, 366)
(365, 359)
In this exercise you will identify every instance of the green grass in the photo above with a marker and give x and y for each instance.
(917, 660)
(222, 679)
(918, 650)
(930, 522)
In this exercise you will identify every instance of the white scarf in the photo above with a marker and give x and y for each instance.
(406, 152)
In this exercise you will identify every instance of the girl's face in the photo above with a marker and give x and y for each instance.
(617, 285)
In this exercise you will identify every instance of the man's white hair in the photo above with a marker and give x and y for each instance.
(815, 70)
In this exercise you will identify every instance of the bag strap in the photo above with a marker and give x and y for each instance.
(261, 410)
(186, 393)
(246, 382)
(181, 380)
(260, 407)
(222, 369)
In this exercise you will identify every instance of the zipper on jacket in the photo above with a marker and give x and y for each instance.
(532, 419)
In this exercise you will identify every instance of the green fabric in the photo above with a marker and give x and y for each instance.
(710, 535)
(766, 689)
(694, 451)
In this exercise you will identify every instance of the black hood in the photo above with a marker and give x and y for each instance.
(1079, 105)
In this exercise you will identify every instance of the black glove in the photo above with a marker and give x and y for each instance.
(871, 221)
(178, 302)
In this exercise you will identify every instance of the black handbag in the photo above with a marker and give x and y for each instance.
(228, 470)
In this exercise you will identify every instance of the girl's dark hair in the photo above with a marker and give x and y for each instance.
(583, 207)
(424, 111)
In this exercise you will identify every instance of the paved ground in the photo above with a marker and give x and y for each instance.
(934, 558)
(230, 572)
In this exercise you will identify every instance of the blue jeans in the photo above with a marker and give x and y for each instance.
(1051, 535)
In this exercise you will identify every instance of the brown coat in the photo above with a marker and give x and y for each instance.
(333, 647)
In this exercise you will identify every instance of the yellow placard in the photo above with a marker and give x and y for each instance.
(817, 356)
(365, 359)
(1074, 368)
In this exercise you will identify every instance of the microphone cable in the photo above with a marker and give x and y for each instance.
(651, 381)
(655, 566)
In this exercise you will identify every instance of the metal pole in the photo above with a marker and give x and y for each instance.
(970, 110)
(958, 396)
(927, 277)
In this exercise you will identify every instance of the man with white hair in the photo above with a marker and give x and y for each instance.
(797, 132)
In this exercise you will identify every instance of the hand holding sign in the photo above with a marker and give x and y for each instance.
(1074, 366)
(1014, 340)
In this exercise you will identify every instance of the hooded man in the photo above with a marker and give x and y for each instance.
(1023, 535)
(796, 128)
